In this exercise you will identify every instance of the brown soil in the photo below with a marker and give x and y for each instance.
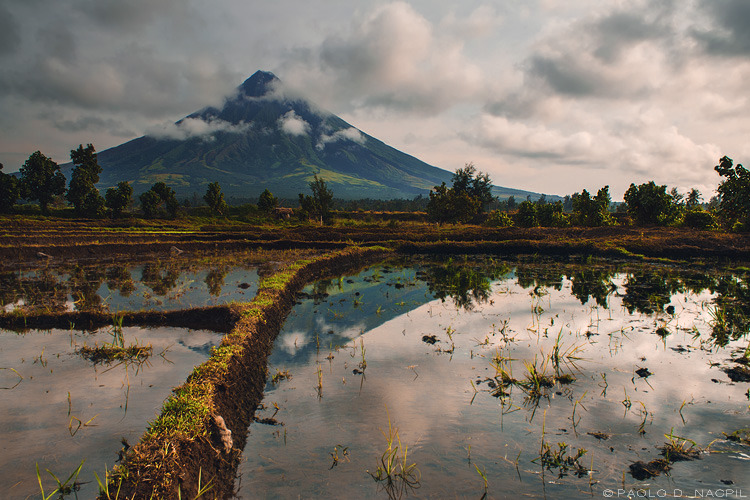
(163, 467)
(218, 318)
(27, 241)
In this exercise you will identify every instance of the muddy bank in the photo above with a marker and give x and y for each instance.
(218, 318)
(203, 426)
(33, 242)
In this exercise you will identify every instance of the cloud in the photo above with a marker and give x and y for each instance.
(195, 127)
(727, 34)
(613, 54)
(10, 38)
(348, 134)
(292, 124)
(390, 58)
(93, 123)
(133, 15)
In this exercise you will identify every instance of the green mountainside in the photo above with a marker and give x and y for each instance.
(262, 139)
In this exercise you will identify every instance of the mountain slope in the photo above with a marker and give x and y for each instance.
(260, 139)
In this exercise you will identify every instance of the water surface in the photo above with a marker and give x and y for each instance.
(646, 348)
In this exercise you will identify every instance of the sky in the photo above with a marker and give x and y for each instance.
(550, 96)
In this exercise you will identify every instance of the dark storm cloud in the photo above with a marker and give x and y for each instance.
(622, 29)
(56, 40)
(564, 75)
(9, 36)
(592, 58)
(93, 123)
(729, 33)
(132, 15)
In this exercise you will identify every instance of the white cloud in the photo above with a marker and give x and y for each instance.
(348, 134)
(390, 58)
(292, 124)
(196, 127)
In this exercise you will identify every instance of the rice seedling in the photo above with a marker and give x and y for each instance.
(393, 467)
(63, 487)
(575, 407)
(551, 458)
(537, 378)
(280, 375)
(41, 359)
(363, 363)
(20, 379)
(319, 387)
(627, 403)
(335, 455)
(483, 475)
(739, 436)
(202, 488)
(104, 492)
(679, 449)
(108, 353)
(644, 412)
(80, 423)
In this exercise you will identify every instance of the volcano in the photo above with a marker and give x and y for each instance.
(264, 138)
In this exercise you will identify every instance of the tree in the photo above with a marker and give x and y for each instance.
(465, 200)
(267, 202)
(215, 198)
(450, 205)
(475, 184)
(551, 215)
(82, 192)
(119, 198)
(41, 180)
(693, 199)
(8, 191)
(526, 215)
(588, 211)
(650, 204)
(159, 194)
(734, 193)
(319, 205)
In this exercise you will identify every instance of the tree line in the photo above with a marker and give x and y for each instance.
(468, 200)
(41, 179)
(647, 204)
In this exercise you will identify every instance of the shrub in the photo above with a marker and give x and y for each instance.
(498, 218)
(699, 219)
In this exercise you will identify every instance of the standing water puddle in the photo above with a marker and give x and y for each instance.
(58, 408)
(157, 285)
(544, 380)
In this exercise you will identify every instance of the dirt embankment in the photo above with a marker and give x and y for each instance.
(27, 243)
(218, 319)
(190, 440)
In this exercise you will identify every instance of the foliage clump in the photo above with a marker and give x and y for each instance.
(214, 198)
(41, 180)
(9, 191)
(734, 192)
(319, 206)
(464, 201)
(649, 204)
(592, 211)
(119, 198)
(82, 192)
(267, 202)
(160, 195)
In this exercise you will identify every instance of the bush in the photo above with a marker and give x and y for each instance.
(699, 219)
(551, 215)
(498, 218)
(650, 204)
(526, 215)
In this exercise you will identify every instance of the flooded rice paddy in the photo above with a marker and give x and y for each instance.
(59, 408)
(461, 378)
(150, 286)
